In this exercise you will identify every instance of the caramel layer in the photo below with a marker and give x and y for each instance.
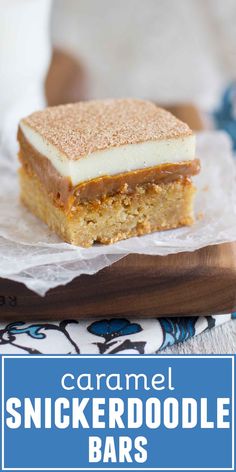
(64, 194)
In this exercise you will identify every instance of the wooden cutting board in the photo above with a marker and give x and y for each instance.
(198, 283)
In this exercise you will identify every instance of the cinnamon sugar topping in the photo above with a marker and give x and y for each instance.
(79, 129)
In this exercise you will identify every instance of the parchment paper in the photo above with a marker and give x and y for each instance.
(30, 253)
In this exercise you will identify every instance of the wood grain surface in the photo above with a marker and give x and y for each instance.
(198, 283)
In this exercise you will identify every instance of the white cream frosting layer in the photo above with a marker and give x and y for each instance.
(115, 160)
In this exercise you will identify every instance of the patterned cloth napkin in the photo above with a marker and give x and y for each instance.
(225, 116)
(112, 336)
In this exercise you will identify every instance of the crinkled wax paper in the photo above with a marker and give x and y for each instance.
(30, 253)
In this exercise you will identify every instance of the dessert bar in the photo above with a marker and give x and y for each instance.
(106, 170)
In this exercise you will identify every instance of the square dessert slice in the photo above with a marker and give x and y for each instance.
(102, 171)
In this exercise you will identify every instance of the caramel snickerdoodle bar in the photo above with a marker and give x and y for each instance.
(106, 170)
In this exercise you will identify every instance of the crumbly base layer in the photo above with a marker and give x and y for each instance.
(149, 208)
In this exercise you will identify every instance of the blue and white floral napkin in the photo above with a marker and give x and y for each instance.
(225, 115)
(112, 336)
